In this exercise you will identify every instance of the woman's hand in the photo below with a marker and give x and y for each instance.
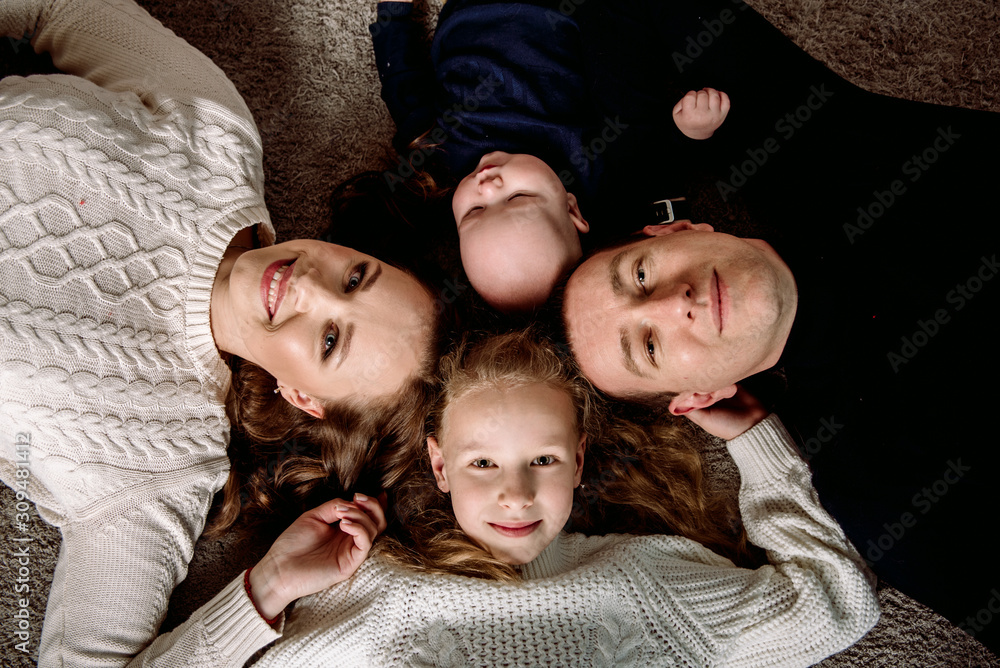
(729, 418)
(324, 546)
(700, 113)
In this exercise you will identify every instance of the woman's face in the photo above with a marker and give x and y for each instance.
(328, 322)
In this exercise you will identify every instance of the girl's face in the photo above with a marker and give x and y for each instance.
(510, 460)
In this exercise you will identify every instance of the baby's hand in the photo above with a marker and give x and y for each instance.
(701, 112)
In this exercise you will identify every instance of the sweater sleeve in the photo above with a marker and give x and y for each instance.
(404, 68)
(117, 45)
(223, 633)
(817, 596)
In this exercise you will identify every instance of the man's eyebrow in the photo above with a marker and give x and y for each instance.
(374, 277)
(617, 287)
(627, 358)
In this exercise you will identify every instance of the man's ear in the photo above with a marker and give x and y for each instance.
(685, 402)
(581, 446)
(302, 401)
(676, 226)
(437, 463)
(581, 225)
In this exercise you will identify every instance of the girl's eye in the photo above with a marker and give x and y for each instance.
(329, 342)
(357, 277)
(544, 460)
(473, 210)
(482, 463)
(515, 196)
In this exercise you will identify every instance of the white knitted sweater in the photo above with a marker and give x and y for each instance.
(120, 189)
(619, 601)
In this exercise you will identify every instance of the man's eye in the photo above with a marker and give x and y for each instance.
(650, 349)
(640, 275)
(482, 463)
(357, 277)
(544, 460)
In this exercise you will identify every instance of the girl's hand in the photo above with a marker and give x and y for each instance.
(700, 113)
(729, 418)
(324, 546)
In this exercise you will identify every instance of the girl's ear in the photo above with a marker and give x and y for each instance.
(302, 401)
(579, 460)
(437, 464)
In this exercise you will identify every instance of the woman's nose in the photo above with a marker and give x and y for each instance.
(310, 291)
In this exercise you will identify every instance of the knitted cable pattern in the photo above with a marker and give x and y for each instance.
(118, 197)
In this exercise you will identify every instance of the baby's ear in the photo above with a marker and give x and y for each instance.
(437, 464)
(581, 225)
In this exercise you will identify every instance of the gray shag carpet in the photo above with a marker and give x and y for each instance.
(307, 72)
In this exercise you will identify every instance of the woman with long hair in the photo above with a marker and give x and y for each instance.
(140, 294)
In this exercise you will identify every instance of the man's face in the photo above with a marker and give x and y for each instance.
(684, 309)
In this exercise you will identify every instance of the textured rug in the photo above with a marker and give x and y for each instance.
(306, 70)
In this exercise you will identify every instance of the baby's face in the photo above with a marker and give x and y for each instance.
(510, 460)
(518, 229)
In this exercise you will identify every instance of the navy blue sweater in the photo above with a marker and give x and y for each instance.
(500, 76)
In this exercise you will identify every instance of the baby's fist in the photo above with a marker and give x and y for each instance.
(701, 112)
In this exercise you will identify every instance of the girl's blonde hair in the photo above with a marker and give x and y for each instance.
(638, 478)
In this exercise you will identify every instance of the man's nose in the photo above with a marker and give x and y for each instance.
(676, 301)
(516, 491)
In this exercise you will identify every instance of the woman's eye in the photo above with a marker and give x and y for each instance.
(515, 196)
(544, 460)
(482, 463)
(329, 342)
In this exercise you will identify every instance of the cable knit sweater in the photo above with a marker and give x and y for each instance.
(595, 601)
(121, 184)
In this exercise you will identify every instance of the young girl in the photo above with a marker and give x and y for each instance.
(503, 100)
(509, 445)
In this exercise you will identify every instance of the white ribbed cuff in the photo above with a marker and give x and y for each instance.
(765, 452)
(233, 625)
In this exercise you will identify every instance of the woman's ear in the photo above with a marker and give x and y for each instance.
(302, 401)
(437, 464)
(581, 446)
